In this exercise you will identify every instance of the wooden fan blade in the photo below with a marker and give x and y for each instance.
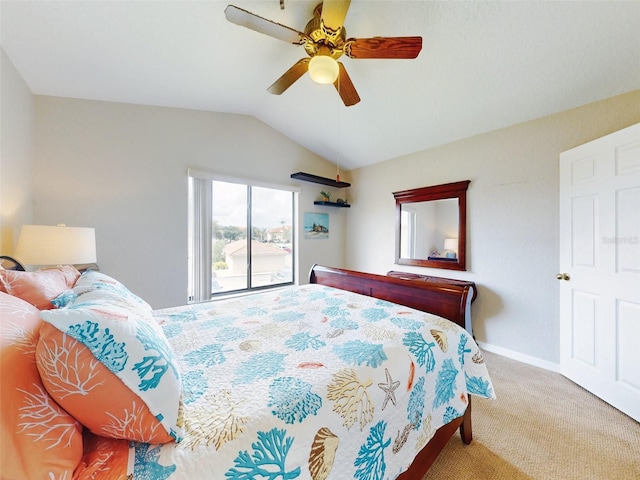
(383, 47)
(290, 76)
(334, 13)
(252, 21)
(345, 87)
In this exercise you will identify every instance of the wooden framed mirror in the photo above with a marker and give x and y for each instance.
(431, 226)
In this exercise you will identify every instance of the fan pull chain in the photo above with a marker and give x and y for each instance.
(339, 132)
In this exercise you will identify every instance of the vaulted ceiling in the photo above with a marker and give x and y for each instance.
(483, 65)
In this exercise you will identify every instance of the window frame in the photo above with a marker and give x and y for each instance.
(200, 264)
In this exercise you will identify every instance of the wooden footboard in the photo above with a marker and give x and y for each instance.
(451, 301)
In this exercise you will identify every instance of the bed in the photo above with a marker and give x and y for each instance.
(344, 377)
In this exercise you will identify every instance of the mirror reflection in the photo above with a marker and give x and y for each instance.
(431, 226)
(429, 230)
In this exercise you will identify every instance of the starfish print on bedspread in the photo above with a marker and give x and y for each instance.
(389, 389)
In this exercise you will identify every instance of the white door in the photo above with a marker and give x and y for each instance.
(599, 276)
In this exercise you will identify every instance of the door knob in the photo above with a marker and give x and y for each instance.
(563, 276)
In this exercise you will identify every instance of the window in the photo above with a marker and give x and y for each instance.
(407, 241)
(241, 235)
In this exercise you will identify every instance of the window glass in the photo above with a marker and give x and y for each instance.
(271, 236)
(229, 237)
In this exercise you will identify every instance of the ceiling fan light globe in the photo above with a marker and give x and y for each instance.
(323, 69)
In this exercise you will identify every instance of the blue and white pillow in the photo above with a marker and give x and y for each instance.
(107, 339)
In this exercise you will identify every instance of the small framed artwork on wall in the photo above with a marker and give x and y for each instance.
(316, 225)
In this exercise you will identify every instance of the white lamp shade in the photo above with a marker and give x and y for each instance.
(323, 69)
(59, 245)
(451, 244)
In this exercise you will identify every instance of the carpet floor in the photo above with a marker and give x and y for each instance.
(542, 426)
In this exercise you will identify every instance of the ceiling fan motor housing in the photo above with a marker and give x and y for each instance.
(324, 41)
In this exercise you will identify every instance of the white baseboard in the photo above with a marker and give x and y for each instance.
(520, 357)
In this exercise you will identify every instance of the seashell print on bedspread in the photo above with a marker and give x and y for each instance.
(310, 382)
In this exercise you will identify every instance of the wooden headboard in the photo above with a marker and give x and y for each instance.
(450, 301)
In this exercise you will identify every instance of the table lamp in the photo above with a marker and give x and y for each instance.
(451, 247)
(56, 245)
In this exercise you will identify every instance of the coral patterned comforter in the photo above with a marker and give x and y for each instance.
(310, 382)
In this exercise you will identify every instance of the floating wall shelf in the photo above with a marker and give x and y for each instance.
(333, 204)
(307, 177)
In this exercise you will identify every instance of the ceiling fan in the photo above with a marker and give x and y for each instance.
(325, 40)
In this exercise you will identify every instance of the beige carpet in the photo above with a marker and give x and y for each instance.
(542, 426)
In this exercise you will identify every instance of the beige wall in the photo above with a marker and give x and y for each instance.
(16, 154)
(512, 215)
(123, 170)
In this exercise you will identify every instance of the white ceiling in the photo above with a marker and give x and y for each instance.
(483, 65)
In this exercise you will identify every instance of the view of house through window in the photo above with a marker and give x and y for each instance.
(250, 237)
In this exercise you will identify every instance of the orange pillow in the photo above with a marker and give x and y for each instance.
(107, 362)
(104, 458)
(39, 287)
(38, 439)
(95, 396)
